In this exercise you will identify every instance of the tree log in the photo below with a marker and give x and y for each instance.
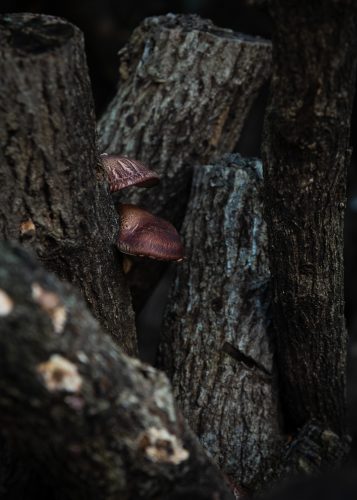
(96, 423)
(312, 452)
(54, 194)
(185, 89)
(306, 153)
(216, 347)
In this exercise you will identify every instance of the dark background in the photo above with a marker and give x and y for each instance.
(107, 25)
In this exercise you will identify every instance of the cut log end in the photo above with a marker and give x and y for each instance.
(34, 34)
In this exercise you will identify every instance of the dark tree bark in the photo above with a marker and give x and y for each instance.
(306, 154)
(86, 421)
(216, 347)
(314, 451)
(54, 194)
(95, 423)
(185, 89)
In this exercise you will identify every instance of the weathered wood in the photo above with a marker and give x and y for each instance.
(216, 346)
(95, 423)
(306, 153)
(185, 89)
(53, 194)
(312, 452)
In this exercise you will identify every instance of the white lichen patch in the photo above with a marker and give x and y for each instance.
(51, 304)
(160, 446)
(164, 398)
(83, 358)
(59, 316)
(6, 303)
(59, 374)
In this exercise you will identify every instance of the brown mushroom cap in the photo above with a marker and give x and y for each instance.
(123, 172)
(146, 235)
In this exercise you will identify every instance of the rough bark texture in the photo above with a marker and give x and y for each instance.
(53, 195)
(95, 423)
(185, 89)
(306, 154)
(312, 452)
(216, 347)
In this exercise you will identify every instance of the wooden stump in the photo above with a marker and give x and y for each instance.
(185, 89)
(54, 195)
(306, 155)
(216, 346)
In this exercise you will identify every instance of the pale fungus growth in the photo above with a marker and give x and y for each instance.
(59, 374)
(51, 304)
(6, 304)
(161, 446)
(27, 228)
(47, 300)
(59, 317)
(83, 358)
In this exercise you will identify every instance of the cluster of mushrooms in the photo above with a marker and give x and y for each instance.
(140, 232)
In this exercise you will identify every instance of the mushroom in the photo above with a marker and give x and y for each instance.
(123, 172)
(146, 235)
(141, 233)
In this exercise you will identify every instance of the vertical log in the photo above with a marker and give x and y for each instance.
(216, 347)
(54, 195)
(306, 153)
(185, 89)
